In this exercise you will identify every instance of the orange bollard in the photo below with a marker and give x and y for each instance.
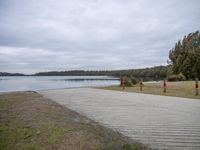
(164, 86)
(197, 87)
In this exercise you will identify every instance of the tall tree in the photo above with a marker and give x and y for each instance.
(185, 56)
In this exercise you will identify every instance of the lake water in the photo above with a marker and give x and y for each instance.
(24, 83)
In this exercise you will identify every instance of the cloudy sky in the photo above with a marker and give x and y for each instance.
(45, 35)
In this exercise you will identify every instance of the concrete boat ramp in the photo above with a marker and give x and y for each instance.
(161, 122)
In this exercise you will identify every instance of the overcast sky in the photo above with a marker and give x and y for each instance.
(45, 35)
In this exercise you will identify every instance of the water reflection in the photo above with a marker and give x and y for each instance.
(53, 82)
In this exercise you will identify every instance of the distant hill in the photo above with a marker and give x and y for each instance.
(152, 73)
(11, 74)
(75, 73)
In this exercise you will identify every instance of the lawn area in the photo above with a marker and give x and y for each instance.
(179, 89)
(28, 121)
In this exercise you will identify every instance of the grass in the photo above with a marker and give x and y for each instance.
(28, 121)
(179, 89)
(15, 133)
(130, 147)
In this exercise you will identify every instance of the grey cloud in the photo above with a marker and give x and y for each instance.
(91, 34)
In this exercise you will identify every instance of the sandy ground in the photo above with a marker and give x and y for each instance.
(30, 121)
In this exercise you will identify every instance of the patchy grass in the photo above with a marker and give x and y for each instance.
(7, 102)
(179, 89)
(130, 147)
(28, 121)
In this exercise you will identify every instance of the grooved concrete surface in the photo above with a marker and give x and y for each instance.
(161, 122)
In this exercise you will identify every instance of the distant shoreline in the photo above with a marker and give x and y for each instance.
(151, 73)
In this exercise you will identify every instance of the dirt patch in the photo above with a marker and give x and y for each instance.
(30, 121)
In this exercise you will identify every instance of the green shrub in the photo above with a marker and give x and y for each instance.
(130, 81)
(174, 77)
(181, 77)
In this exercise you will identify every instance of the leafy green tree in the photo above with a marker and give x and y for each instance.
(185, 56)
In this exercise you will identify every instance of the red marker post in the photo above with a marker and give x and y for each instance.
(197, 86)
(121, 81)
(164, 86)
(141, 85)
(123, 84)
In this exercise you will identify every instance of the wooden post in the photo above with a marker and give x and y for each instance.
(164, 86)
(121, 81)
(141, 85)
(197, 87)
(123, 84)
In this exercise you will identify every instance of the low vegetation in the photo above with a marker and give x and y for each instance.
(28, 121)
(179, 89)
(179, 77)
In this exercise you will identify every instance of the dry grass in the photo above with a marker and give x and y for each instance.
(179, 89)
(28, 121)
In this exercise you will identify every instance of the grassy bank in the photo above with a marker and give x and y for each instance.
(28, 121)
(180, 89)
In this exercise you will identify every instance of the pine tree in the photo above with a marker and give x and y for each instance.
(185, 56)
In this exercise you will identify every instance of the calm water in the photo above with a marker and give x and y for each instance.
(53, 82)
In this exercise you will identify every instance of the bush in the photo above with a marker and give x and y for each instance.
(130, 81)
(174, 77)
(181, 77)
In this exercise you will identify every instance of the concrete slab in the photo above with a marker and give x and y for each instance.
(162, 122)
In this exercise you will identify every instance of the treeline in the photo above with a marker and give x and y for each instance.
(74, 73)
(153, 73)
(11, 74)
